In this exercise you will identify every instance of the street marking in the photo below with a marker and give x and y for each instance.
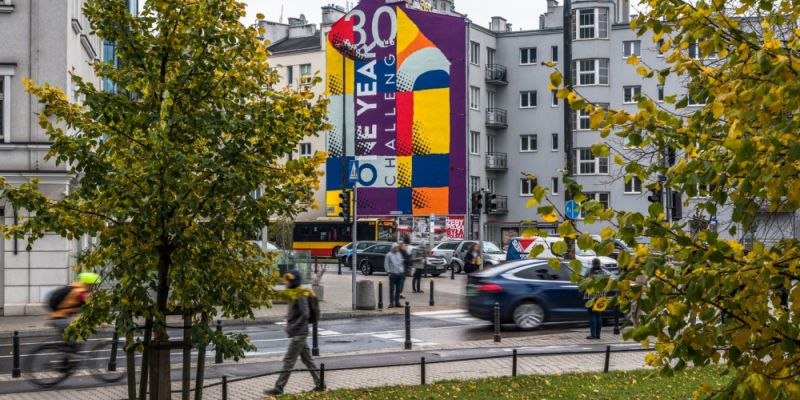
(386, 336)
(445, 312)
(328, 333)
(469, 319)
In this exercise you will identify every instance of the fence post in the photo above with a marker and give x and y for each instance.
(322, 377)
(112, 362)
(380, 295)
(616, 320)
(314, 339)
(422, 370)
(452, 272)
(431, 302)
(514, 363)
(408, 327)
(497, 322)
(15, 370)
(339, 266)
(217, 353)
(224, 387)
(608, 358)
(316, 264)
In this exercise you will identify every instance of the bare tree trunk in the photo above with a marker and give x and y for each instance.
(186, 378)
(130, 359)
(201, 362)
(148, 334)
(160, 379)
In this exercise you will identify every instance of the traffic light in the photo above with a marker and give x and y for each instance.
(344, 204)
(477, 206)
(491, 202)
(655, 196)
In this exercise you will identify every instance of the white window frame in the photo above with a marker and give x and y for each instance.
(474, 183)
(631, 48)
(598, 24)
(475, 143)
(694, 46)
(531, 96)
(660, 93)
(596, 71)
(554, 186)
(595, 162)
(581, 120)
(491, 184)
(474, 53)
(554, 53)
(554, 98)
(303, 147)
(597, 197)
(631, 94)
(691, 103)
(527, 59)
(526, 187)
(631, 186)
(474, 98)
(528, 140)
(290, 74)
(305, 76)
(705, 187)
(554, 145)
(6, 73)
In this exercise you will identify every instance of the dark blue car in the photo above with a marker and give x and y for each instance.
(529, 292)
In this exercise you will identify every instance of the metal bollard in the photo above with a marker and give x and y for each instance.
(380, 295)
(322, 376)
(608, 359)
(314, 339)
(422, 370)
(408, 327)
(452, 272)
(616, 320)
(316, 264)
(224, 387)
(112, 362)
(431, 303)
(217, 353)
(339, 266)
(16, 372)
(497, 322)
(514, 363)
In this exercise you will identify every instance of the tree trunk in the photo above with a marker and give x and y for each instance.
(130, 359)
(201, 370)
(186, 378)
(148, 334)
(160, 382)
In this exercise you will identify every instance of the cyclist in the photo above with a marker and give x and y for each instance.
(66, 302)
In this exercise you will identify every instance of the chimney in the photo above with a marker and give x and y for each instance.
(331, 13)
(274, 31)
(499, 24)
(551, 4)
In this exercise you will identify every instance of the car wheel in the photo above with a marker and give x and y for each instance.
(528, 315)
(455, 267)
(365, 267)
(335, 251)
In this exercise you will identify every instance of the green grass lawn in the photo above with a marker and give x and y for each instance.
(641, 384)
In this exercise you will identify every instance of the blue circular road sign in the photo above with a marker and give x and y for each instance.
(572, 209)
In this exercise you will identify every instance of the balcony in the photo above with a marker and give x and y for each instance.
(501, 205)
(496, 118)
(496, 74)
(496, 162)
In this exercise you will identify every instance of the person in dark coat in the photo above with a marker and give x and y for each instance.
(472, 260)
(595, 317)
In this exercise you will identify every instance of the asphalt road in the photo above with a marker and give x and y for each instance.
(386, 332)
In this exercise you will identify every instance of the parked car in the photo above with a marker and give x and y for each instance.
(530, 293)
(520, 248)
(344, 253)
(454, 251)
(371, 259)
(619, 246)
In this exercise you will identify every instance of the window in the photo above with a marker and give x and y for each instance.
(554, 186)
(528, 143)
(660, 95)
(527, 99)
(305, 74)
(5, 103)
(660, 45)
(491, 184)
(527, 55)
(474, 184)
(554, 53)
(631, 48)
(526, 187)
(633, 186)
(554, 146)
(694, 50)
(290, 75)
(474, 53)
(581, 121)
(543, 272)
(474, 98)
(601, 197)
(631, 94)
(590, 72)
(588, 164)
(305, 150)
(695, 99)
(554, 98)
(590, 23)
(475, 143)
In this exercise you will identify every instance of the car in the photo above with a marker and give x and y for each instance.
(454, 251)
(530, 293)
(619, 246)
(520, 248)
(370, 260)
(344, 253)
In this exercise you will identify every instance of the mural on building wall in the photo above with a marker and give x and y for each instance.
(397, 82)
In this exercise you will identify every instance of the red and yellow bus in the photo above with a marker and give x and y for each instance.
(323, 238)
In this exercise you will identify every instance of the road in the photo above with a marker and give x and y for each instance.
(336, 337)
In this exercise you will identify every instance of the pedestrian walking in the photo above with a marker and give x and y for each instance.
(596, 310)
(472, 261)
(417, 272)
(394, 266)
(408, 262)
(303, 309)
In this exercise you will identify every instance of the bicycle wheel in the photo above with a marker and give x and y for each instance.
(50, 364)
(99, 362)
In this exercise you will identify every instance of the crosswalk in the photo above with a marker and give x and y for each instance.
(457, 315)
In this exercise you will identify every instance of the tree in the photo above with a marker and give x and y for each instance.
(167, 165)
(707, 298)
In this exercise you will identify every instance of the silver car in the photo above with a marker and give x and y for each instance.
(454, 251)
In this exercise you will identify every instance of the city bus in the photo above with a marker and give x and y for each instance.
(323, 238)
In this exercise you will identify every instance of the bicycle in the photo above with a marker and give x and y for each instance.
(52, 363)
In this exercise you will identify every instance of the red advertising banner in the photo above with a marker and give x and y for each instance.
(455, 228)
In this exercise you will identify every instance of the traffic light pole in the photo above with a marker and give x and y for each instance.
(355, 242)
(481, 227)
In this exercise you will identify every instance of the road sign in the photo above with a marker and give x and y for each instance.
(572, 210)
(352, 171)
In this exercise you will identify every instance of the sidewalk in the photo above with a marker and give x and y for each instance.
(337, 303)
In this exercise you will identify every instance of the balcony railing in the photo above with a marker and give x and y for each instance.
(501, 205)
(496, 161)
(496, 118)
(496, 74)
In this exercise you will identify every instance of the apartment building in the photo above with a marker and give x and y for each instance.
(44, 40)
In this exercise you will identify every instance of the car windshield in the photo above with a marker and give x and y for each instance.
(363, 245)
(584, 253)
(489, 247)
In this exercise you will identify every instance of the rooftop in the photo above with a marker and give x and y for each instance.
(291, 45)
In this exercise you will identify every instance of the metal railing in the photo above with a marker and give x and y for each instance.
(497, 74)
(496, 161)
(496, 117)
(501, 205)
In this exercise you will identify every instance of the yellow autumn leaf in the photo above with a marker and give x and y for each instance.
(552, 217)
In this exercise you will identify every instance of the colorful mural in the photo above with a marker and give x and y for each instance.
(396, 78)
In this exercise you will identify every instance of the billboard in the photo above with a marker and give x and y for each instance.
(396, 78)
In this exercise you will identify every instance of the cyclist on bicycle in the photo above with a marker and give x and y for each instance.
(66, 302)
